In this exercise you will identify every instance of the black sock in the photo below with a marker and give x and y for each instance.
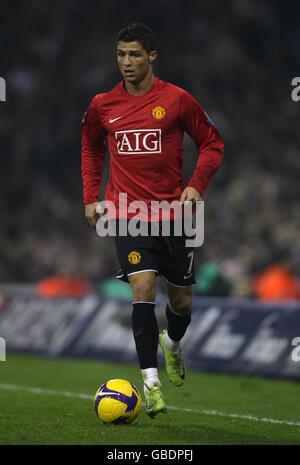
(177, 324)
(145, 331)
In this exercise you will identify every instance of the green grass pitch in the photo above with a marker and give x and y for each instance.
(40, 403)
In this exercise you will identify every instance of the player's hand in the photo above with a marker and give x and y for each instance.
(91, 214)
(190, 194)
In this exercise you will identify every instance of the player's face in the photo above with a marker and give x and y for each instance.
(134, 62)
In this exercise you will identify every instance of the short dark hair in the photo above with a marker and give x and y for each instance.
(138, 32)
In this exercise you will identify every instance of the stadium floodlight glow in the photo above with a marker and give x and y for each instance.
(2, 90)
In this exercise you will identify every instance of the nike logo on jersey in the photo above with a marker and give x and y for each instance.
(112, 120)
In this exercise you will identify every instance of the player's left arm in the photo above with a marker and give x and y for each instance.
(209, 144)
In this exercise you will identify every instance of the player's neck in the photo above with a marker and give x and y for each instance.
(142, 87)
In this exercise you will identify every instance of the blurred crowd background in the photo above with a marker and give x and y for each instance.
(236, 57)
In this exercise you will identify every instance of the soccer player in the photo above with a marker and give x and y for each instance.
(142, 123)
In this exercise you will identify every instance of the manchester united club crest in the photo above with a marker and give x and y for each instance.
(158, 113)
(134, 257)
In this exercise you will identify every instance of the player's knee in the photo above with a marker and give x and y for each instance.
(143, 291)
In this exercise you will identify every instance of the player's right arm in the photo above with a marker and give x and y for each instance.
(93, 150)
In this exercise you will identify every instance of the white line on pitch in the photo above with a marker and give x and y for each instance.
(34, 390)
(77, 395)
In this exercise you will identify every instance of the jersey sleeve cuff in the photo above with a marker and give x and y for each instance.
(196, 186)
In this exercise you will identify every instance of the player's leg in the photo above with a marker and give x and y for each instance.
(138, 259)
(145, 330)
(177, 266)
(178, 313)
(144, 323)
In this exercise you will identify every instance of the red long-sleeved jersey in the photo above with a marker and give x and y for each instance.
(144, 136)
